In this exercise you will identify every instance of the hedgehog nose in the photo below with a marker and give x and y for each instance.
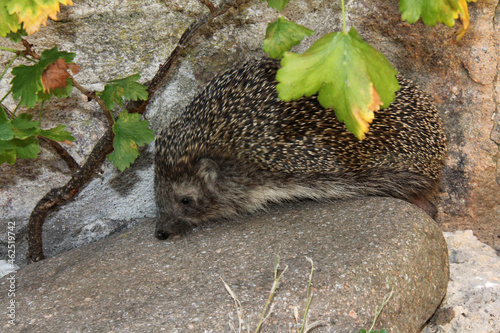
(162, 235)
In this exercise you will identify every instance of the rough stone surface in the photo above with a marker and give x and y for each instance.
(133, 282)
(116, 38)
(472, 303)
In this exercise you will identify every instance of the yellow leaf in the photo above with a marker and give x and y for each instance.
(35, 12)
(375, 102)
(464, 15)
(365, 117)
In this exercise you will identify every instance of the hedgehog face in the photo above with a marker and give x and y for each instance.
(187, 200)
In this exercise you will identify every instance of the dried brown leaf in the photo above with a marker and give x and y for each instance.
(56, 75)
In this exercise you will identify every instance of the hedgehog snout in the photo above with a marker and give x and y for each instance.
(161, 234)
(171, 227)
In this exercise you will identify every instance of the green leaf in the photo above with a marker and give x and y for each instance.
(8, 22)
(58, 133)
(10, 150)
(7, 155)
(17, 36)
(50, 56)
(130, 132)
(34, 12)
(444, 11)
(281, 35)
(3, 116)
(362, 331)
(346, 73)
(277, 4)
(6, 132)
(18, 138)
(23, 126)
(26, 83)
(27, 148)
(127, 88)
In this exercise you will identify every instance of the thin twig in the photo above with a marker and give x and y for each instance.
(29, 51)
(209, 4)
(92, 95)
(166, 68)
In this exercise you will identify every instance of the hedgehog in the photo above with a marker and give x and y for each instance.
(238, 148)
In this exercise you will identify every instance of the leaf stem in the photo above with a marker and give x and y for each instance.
(15, 110)
(40, 113)
(8, 66)
(3, 48)
(28, 58)
(7, 94)
(344, 26)
(93, 95)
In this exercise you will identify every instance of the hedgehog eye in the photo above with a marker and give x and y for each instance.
(186, 201)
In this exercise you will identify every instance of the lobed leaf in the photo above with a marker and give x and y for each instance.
(433, 11)
(56, 76)
(130, 131)
(277, 4)
(8, 22)
(346, 73)
(33, 13)
(22, 148)
(17, 36)
(282, 35)
(49, 57)
(6, 131)
(127, 88)
(18, 137)
(24, 127)
(26, 83)
(26, 148)
(58, 133)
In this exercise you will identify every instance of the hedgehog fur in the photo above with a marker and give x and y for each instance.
(238, 147)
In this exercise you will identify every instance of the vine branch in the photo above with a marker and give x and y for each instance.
(166, 68)
(59, 196)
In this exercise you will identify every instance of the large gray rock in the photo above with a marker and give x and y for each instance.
(115, 38)
(132, 282)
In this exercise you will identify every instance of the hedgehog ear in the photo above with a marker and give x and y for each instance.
(209, 171)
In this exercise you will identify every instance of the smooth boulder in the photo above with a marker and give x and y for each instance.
(131, 282)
